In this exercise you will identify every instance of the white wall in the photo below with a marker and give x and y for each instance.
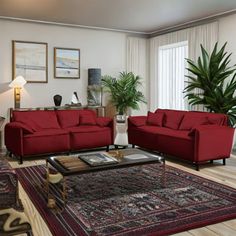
(99, 49)
(227, 33)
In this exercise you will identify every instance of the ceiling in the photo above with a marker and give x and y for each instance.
(143, 16)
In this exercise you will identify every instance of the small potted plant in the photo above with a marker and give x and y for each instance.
(123, 92)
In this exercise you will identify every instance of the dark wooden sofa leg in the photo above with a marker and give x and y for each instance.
(108, 148)
(211, 161)
(224, 161)
(20, 160)
(197, 166)
(133, 145)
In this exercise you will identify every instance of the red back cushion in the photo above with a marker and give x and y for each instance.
(172, 118)
(68, 118)
(37, 120)
(191, 119)
(87, 117)
(155, 118)
(137, 120)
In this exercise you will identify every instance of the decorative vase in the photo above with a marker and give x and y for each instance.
(57, 100)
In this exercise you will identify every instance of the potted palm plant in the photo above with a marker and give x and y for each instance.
(215, 81)
(123, 91)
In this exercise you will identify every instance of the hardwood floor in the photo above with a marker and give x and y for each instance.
(216, 172)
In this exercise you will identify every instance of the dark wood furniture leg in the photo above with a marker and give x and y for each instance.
(224, 161)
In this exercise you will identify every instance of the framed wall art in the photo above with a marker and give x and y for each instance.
(30, 60)
(66, 63)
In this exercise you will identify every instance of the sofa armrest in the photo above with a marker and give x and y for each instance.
(212, 142)
(14, 138)
(137, 121)
(104, 121)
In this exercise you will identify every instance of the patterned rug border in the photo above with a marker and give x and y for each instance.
(55, 226)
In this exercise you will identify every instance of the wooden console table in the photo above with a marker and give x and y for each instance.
(100, 110)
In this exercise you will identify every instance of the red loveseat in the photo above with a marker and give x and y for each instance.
(45, 132)
(197, 137)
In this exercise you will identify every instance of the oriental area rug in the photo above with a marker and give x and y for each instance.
(130, 201)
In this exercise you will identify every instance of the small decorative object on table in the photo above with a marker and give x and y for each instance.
(57, 100)
(97, 159)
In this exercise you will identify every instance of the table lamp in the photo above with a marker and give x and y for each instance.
(17, 84)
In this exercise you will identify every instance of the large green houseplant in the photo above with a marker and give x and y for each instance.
(215, 81)
(124, 91)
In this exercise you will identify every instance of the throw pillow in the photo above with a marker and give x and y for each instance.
(138, 120)
(155, 118)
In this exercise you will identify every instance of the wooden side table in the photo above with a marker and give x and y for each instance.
(121, 136)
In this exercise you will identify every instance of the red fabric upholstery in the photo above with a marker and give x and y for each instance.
(46, 141)
(87, 117)
(202, 143)
(44, 132)
(104, 121)
(83, 137)
(213, 141)
(155, 118)
(13, 137)
(172, 118)
(68, 118)
(137, 120)
(192, 119)
(26, 129)
(37, 120)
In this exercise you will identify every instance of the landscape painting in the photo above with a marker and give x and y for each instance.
(66, 63)
(30, 61)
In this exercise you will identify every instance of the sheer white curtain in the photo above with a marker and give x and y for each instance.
(171, 71)
(137, 57)
(207, 35)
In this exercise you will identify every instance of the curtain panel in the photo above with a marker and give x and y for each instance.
(207, 35)
(137, 62)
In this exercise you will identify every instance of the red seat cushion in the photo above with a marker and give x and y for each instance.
(192, 119)
(37, 120)
(83, 137)
(166, 131)
(86, 129)
(68, 118)
(46, 141)
(87, 117)
(48, 132)
(155, 118)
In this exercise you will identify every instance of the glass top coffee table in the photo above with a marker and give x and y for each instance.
(74, 165)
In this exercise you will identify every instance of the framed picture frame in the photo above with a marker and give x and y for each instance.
(30, 60)
(66, 63)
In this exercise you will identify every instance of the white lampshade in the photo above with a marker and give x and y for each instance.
(18, 82)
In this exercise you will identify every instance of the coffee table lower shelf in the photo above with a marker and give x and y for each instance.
(73, 165)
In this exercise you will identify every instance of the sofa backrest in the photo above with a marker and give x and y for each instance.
(68, 118)
(172, 118)
(72, 118)
(37, 120)
(185, 120)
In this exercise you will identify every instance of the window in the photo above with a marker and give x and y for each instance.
(171, 71)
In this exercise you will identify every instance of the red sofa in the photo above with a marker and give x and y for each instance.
(193, 136)
(43, 132)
